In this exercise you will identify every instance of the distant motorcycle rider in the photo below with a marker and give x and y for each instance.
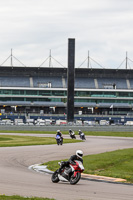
(58, 133)
(80, 132)
(77, 156)
(70, 131)
(72, 134)
(82, 135)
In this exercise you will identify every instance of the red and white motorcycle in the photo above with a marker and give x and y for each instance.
(71, 173)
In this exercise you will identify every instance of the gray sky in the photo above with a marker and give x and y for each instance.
(32, 27)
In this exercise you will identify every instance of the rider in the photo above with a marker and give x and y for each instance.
(70, 132)
(80, 132)
(77, 156)
(82, 135)
(58, 133)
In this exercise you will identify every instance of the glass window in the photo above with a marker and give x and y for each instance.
(5, 99)
(82, 93)
(17, 99)
(7, 92)
(56, 99)
(58, 93)
(44, 93)
(31, 92)
(123, 94)
(21, 92)
(17, 92)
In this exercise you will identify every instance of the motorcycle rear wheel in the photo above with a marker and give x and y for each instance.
(55, 178)
(74, 180)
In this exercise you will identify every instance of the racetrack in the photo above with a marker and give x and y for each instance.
(16, 178)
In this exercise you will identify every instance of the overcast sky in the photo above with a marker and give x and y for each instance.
(104, 28)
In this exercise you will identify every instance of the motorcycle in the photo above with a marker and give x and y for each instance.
(72, 173)
(72, 135)
(59, 140)
(82, 136)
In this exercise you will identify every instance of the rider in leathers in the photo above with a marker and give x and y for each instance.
(78, 156)
(71, 133)
(60, 134)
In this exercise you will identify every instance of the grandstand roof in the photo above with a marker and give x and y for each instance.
(52, 71)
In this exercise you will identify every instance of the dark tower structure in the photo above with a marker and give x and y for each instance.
(70, 80)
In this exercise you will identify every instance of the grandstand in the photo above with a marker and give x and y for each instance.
(43, 90)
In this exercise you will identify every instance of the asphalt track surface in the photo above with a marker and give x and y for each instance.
(17, 179)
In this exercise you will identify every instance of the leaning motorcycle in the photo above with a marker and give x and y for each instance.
(73, 177)
(72, 135)
(59, 140)
(82, 136)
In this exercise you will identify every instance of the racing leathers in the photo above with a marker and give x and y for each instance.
(70, 161)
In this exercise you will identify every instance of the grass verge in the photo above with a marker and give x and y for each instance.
(117, 164)
(16, 197)
(11, 140)
(91, 133)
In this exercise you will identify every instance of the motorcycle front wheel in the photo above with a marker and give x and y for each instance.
(55, 178)
(74, 180)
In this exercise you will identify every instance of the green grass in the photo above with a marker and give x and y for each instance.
(11, 140)
(117, 164)
(93, 133)
(26, 131)
(108, 133)
(15, 197)
(53, 165)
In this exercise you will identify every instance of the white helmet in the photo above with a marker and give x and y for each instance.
(79, 153)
